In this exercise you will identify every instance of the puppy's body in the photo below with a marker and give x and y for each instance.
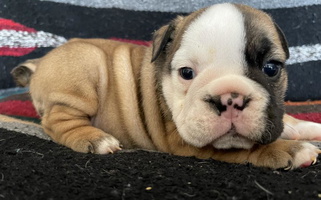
(210, 91)
(105, 81)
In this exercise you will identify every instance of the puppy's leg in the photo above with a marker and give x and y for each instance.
(295, 129)
(67, 89)
(287, 154)
(72, 128)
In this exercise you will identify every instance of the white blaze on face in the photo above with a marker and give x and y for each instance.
(213, 45)
(215, 39)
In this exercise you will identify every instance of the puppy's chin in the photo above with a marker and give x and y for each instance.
(232, 140)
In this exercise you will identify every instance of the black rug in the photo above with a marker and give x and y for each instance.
(32, 168)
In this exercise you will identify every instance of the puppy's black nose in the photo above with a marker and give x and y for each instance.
(235, 100)
(228, 101)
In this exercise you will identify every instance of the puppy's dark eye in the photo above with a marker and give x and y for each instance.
(186, 73)
(272, 68)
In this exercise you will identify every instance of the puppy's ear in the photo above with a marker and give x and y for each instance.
(22, 73)
(161, 38)
(283, 40)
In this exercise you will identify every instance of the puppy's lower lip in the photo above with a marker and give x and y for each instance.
(232, 139)
(232, 132)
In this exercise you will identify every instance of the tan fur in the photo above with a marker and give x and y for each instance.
(95, 92)
(265, 22)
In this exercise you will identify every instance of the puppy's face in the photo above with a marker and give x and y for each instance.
(221, 71)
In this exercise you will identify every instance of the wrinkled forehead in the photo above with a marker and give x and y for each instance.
(221, 34)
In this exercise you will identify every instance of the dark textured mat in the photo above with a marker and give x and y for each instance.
(32, 168)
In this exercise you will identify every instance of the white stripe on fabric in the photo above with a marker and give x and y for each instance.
(183, 5)
(305, 53)
(12, 38)
(16, 39)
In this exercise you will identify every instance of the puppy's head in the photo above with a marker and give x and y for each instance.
(221, 71)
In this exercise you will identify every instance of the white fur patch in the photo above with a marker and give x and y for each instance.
(108, 145)
(306, 155)
(215, 39)
(302, 131)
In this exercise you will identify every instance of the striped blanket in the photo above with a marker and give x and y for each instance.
(44, 25)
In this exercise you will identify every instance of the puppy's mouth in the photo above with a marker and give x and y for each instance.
(232, 139)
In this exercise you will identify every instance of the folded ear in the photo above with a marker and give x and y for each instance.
(283, 40)
(22, 73)
(161, 38)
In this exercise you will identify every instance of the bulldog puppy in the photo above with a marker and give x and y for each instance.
(212, 85)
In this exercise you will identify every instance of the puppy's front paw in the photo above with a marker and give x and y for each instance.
(306, 156)
(106, 145)
(102, 145)
(286, 154)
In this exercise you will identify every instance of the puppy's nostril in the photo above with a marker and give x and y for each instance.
(239, 107)
(220, 107)
(216, 104)
(245, 104)
(234, 100)
(229, 101)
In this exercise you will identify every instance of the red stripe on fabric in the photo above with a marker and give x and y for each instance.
(7, 24)
(314, 117)
(11, 25)
(17, 51)
(138, 42)
(18, 108)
